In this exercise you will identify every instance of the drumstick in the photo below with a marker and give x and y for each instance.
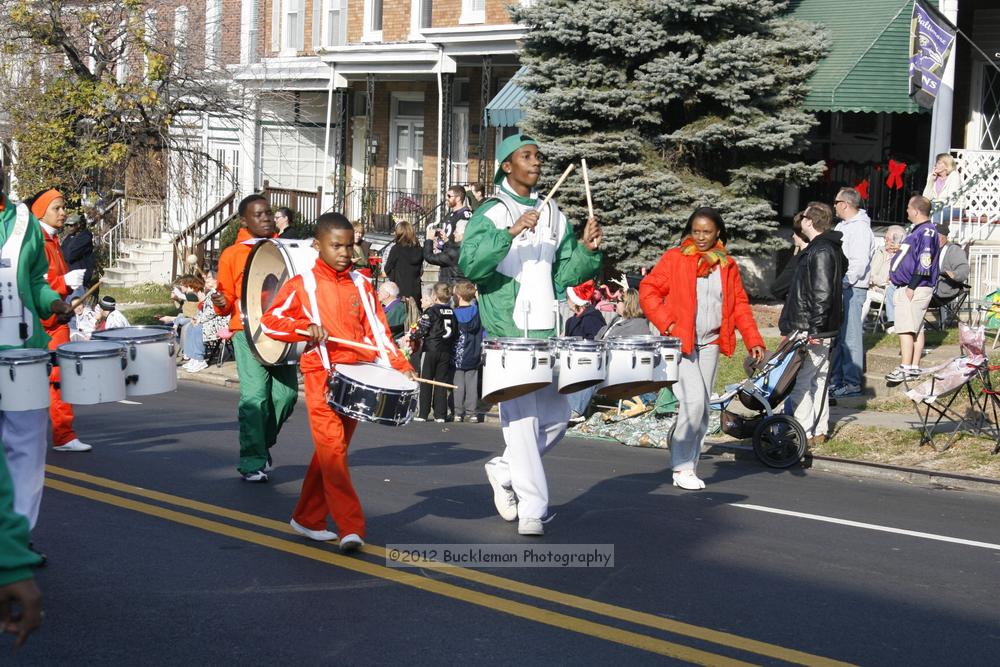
(555, 187)
(586, 187)
(80, 299)
(436, 383)
(341, 341)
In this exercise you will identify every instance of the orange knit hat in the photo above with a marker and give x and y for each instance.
(41, 204)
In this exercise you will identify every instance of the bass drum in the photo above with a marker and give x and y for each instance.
(270, 264)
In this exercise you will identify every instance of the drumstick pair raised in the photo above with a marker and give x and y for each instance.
(366, 346)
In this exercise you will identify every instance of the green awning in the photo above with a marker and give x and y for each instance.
(504, 110)
(866, 68)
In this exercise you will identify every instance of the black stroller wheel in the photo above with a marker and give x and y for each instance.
(779, 441)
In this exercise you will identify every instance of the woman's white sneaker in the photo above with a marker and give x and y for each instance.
(686, 479)
(318, 535)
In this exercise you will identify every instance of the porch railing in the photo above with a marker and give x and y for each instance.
(307, 203)
(979, 197)
(886, 199)
(203, 237)
(382, 208)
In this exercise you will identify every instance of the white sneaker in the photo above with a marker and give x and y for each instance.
(419, 419)
(318, 535)
(686, 479)
(503, 496)
(439, 421)
(195, 365)
(351, 543)
(530, 527)
(73, 445)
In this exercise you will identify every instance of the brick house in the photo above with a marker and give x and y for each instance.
(367, 102)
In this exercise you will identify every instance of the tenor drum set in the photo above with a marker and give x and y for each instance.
(130, 361)
(618, 367)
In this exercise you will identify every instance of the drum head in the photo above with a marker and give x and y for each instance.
(90, 349)
(508, 393)
(373, 375)
(269, 266)
(17, 356)
(136, 335)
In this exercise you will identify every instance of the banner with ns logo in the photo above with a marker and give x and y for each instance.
(932, 38)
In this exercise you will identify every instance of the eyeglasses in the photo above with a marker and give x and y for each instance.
(838, 201)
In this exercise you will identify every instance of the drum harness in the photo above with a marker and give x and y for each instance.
(8, 284)
(309, 282)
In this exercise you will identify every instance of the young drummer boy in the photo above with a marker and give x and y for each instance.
(331, 300)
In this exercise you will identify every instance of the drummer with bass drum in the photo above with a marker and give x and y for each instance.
(330, 300)
(518, 256)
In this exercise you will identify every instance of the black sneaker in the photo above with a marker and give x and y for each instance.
(269, 466)
(255, 476)
(45, 559)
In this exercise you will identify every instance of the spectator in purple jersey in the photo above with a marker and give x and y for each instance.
(914, 272)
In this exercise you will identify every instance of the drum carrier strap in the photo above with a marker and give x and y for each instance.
(10, 255)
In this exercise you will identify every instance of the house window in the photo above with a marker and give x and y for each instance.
(149, 37)
(336, 24)
(294, 25)
(426, 13)
(473, 11)
(373, 20)
(213, 33)
(180, 38)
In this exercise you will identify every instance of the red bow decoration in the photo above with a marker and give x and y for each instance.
(895, 180)
(862, 188)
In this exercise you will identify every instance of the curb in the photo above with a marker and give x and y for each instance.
(928, 479)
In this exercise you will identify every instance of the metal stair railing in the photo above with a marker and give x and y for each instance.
(202, 237)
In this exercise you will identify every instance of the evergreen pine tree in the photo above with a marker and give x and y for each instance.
(675, 104)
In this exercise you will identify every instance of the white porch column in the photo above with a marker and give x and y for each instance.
(943, 106)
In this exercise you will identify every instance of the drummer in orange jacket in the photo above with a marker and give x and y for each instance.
(267, 393)
(49, 207)
(346, 304)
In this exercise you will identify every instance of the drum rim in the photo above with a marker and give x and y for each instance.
(283, 358)
(165, 334)
(537, 344)
(624, 343)
(119, 350)
(334, 372)
(578, 344)
(38, 354)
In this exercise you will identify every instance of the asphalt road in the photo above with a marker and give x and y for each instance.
(161, 555)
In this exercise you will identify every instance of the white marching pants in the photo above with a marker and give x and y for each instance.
(25, 439)
(696, 377)
(531, 425)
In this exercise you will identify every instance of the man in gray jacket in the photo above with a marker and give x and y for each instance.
(859, 246)
(953, 270)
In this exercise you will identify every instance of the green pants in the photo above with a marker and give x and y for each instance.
(267, 398)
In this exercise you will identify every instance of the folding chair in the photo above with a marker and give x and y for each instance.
(950, 310)
(873, 319)
(221, 346)
(935, 398)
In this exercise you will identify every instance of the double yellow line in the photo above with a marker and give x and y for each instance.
(494, 602)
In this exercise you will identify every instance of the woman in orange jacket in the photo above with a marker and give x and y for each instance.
(340, 298)
(695, 293)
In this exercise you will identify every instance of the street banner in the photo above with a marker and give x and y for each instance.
(932, 38)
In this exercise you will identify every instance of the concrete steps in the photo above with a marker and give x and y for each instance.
(146, 261)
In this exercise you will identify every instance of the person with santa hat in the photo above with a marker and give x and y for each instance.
(520, 257)
(586, 322)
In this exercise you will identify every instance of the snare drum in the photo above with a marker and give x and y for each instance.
(269, 266)
(631, 361)
(372, 393)
(515, 367)
(579, 362)
(152, 364)
(24, 379)
(91, 372)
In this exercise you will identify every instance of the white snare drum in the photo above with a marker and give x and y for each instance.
(372, 393)
(579, 363)
(631, 361)
(152, 358)
(666, 370)
(515, 367)
(91, 372)
(24, 379)
(269, 266)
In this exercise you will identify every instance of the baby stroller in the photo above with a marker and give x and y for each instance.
(779, 441)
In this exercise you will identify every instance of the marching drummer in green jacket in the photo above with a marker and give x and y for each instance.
(520, 258)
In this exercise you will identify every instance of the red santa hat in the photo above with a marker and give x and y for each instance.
(581, 294)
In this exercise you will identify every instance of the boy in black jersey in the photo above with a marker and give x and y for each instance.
(437, 329)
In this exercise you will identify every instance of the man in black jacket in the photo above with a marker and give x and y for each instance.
(78, 248)
(814, 304)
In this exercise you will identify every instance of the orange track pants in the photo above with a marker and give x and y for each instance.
(327, 488)
(60, 413)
